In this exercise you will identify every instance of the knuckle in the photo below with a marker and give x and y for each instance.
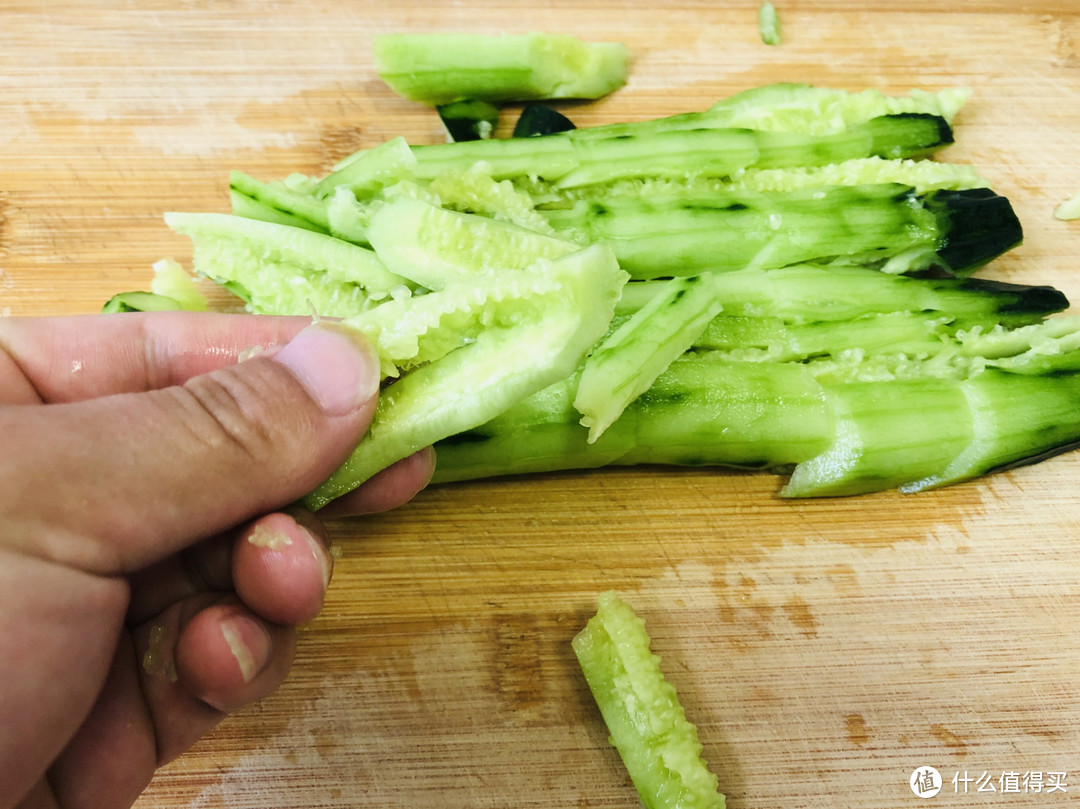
(245, 412)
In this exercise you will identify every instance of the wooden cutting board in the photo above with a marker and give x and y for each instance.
(825, 649)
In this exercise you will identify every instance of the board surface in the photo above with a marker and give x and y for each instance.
(826, 649)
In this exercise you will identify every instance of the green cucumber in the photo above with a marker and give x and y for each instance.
(1017, 419)
(549, 334)
(865, 224)
(646, 722)
(768, 23)
(433, 246)
(570, 161)
(628, 361)
(804, 293)
(279, 269)
(439, 68)
(792, 107)
(888, 433)
(371, 170)
(276, 202)
(699, 412)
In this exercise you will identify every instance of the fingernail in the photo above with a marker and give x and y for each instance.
(322, 556)
(249, 643)
(332, 366)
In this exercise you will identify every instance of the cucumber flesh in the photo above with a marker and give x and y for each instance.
(433, 246)
(276, 202)
(279, 269)
(504, 364)
(440, 68)
(570, 161)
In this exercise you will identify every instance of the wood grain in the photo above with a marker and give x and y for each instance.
(825, 649)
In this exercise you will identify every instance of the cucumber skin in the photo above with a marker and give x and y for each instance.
(697, 413)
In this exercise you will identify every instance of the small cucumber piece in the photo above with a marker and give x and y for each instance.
(646, 722)
(540, 119)
(137, 301)
(629, 360)
(469, 119)
(768, 23)
(440, 68)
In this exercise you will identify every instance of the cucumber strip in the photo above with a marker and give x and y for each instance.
(698, 412)
(276, 202)
(368, 171)
(434, 247)
(412, 331)
(805, 293)
(866, 224)
(628, 361)
(1017, 420)
(792, 107)
(440, 68)
(284, 270)
(920, 434)
(723, 152)
(769, 339)
(478, 381)
(569, 161)
(808, 108)
(888, 434)
(646, 722)
(921, 175)
(139, 301)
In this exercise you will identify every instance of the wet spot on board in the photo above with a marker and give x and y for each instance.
(798, 612)
(957, 745)
(857, 731)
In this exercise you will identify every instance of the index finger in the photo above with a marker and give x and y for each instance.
(72, 358)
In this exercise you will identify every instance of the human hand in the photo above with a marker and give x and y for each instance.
(153, 566)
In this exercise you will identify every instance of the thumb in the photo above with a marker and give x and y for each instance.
(111, 484)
